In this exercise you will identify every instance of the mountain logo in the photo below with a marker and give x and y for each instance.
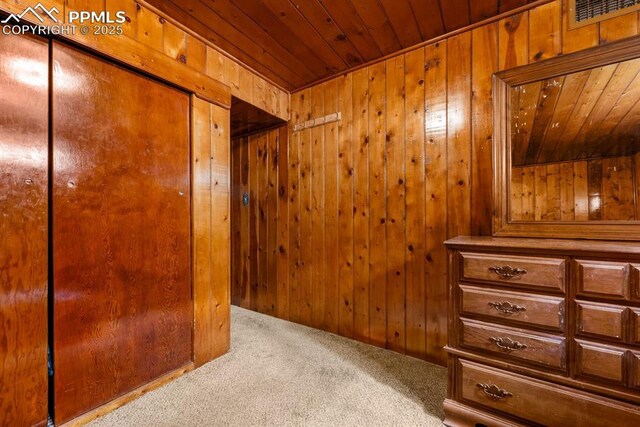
(38, 11)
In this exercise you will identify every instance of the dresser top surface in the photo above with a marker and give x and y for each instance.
(544, 245)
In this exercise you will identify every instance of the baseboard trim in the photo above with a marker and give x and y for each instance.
(126, 398)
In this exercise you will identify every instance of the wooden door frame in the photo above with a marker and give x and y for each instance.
(503, 81)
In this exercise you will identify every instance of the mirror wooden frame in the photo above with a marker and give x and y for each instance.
(502, 82)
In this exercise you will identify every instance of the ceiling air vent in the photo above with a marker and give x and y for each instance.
(583, 12)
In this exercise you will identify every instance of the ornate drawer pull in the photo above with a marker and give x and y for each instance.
(507, 272)
(494, 392)
(506, 308)
(507, 344)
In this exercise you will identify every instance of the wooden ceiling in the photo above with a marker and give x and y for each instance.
(590, 114)
(298, 42)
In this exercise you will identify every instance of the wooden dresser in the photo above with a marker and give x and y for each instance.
(543, 332)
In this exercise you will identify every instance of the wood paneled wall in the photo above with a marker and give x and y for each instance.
(593, 190)
(372, 198)
(211, 188)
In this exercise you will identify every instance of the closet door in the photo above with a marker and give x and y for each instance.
(24, 85)
(122, 306)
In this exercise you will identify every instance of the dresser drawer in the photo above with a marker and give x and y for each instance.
(604, 279)
(527, 309)
(514, 270)
(635, 326)
(600, 361)
(538, 401)
(511, 343)
(600, 320)
(635, 370)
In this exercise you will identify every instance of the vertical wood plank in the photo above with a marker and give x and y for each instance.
(283, 222)
(216, 65)
(294, 211)
(150, 28)
(175, 42)
(395, 204)
(306, 256)
(528, 194)
(595, 189)
(553, 192)
(513, 42)
(331, 254)
(458, 134)
(260, 93)
(361, 207)
(627, 188)
(540, 186)
(346, 144)
(262, 192)
(130, 26)
(610, 190)
(581, 191)
(377, 202)
(236, 228)
(202, 231)
(545, 31)
(272, 221)
(245, 85)
(220, 231)
(196, 54)
(230, 73)
(516, 207)
(484, 64)
(254, 224)
(436, 64)
(415, 203)
(245, 255)
(618, 28)
(567, 204)
(317, 210)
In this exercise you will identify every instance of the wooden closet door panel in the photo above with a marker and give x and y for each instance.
(24, 83)
(123, 311)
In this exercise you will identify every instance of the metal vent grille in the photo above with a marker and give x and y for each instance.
(588, 9)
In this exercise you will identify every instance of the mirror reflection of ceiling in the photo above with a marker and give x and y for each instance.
(589, 114)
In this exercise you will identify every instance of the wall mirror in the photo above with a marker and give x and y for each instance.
(567, 154)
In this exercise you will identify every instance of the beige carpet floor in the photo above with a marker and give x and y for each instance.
(282, 374)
